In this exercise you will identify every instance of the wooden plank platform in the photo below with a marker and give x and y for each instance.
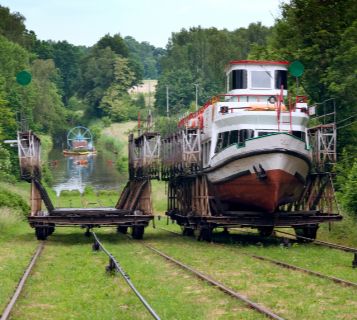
(89, 212)
(91, 220)
(257, 219)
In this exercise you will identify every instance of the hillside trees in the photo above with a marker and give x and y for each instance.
(12, 27)
(199, 56)
(146, 56)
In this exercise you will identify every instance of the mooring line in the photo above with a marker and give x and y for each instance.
(21, 284)
(114, 264)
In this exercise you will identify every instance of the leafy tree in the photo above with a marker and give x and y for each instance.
(12, 27)
(146, 56)
(199, 56)
(97, 69)
(348, 193)
(116, 102)
(116, 43)
(49, 113)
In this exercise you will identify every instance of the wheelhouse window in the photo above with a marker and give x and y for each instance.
(238, 79)
(261, 79)
(281, 79)
(228, 138)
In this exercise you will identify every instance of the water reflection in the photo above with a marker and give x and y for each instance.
(77, 172)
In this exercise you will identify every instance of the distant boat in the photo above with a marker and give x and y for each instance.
(79, 142)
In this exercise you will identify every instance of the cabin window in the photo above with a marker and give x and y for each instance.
(281, 79)
(233, 138)
(219, 143)
(299, 134)
(261, 79)
(228, 138)
(245, 134)
(238, 79)
(225, 142)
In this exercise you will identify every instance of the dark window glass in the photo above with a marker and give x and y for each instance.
(233, 137)
(219, 143)
(225, 139)
(281, 78)
(299, 134)
(245, 134)
(238, 79)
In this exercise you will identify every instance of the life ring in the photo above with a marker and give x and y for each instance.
(272, 99)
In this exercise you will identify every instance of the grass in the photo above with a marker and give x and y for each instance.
(343, 232)
(172, 292)
(69, 282)
(159, 197)
(120, 130)
(17, 244)
(291, 294)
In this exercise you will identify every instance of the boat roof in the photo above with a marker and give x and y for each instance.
(259, 62)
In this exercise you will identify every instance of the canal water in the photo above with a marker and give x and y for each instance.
(77, 172)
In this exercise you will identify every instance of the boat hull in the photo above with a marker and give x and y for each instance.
(259, 182)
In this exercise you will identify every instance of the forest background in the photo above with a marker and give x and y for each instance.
(76, 85)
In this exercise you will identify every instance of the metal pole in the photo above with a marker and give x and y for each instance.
(196, 85)
(149, 94)
(167, 101)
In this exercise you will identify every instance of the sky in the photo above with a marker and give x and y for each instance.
(84, 22)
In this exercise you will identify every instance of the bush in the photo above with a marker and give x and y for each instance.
(70, 193)
(88, 190)
(122, 164)
(14, 201)
(348, 194)
(5, 166)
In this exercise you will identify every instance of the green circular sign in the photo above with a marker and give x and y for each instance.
(23, 78)
(296, 69)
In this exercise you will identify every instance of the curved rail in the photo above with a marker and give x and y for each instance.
(290, 266)
(114, 265)
(5, 315)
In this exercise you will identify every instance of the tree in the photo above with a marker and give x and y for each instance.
(49, 113)
(115, 43)
(348, 193)
(199, 56)
(116, 102)
(12, 26)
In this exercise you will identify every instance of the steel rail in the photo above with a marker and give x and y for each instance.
(113, 263)
(323, 243)
(290, 266)
(219, 285)
(327, 244)
(6, 313)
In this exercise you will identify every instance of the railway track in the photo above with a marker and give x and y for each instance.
(7, 311)
(295, 237)
(287, 266)
(253, 305)
(115, 266)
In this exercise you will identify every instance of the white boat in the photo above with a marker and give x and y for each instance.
(255, 147)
